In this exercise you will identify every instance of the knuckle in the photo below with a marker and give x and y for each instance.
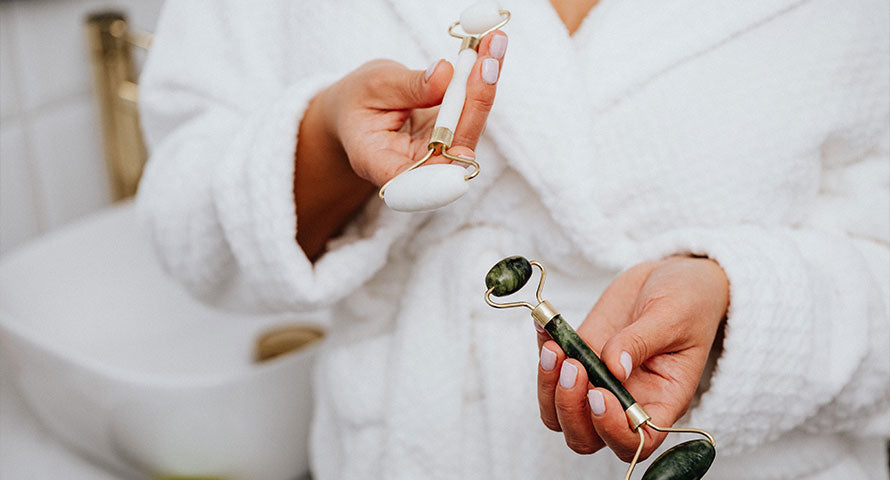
(580, 447)
(375, 80)
(551, 423)
(416, 86)
(377, 73)
(480, 102)
(638, 345)
(566, 404)
(625, 453)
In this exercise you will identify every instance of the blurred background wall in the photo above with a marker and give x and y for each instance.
(52, 169)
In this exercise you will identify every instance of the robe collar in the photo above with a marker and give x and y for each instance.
(553, 88)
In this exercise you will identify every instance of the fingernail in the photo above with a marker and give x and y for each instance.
(498, 46)
(548, 359)
(597, 402)
(567, 375)
(430, 70)
(537, 327)
(490, 71)
(627, 363)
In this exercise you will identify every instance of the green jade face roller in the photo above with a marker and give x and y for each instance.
(686, 461)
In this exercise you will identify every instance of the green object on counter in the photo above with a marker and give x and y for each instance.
(508, 276)
(686, 461)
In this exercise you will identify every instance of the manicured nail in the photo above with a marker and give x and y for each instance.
(498, 46)
(567, 375)
(538, 328)
(548, 359)
(490, 71)
(627, 363)
(597, 402)
(430, 70)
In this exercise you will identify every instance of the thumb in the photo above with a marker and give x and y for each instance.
(395, 87)
(636, 343)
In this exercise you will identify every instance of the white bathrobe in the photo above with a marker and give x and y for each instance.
(753, 132)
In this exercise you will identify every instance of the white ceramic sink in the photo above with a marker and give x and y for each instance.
(130, 371)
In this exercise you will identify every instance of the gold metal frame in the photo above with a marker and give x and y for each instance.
(505, 13)
(110, 43)
(636, 416)
(441, 137)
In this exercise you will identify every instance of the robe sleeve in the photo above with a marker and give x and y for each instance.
(807, 338)
(221, 102)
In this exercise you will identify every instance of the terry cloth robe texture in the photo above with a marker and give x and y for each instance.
(754, 132)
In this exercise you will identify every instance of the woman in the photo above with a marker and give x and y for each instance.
(730, 159)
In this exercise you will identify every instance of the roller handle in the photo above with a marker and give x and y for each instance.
(456, 94)
(597, 372)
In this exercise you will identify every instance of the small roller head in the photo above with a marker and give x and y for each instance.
(480, 17)
(508, 276)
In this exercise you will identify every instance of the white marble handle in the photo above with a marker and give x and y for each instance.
(453, 103)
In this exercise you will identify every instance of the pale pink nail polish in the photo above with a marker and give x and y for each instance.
(548, 359)
(627, 363)
(567, 375)
(597, 402)
(430, 70)
(498, 46)
(490, 69)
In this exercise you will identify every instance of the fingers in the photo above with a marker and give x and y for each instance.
(481, 88)
(573, 409)
(562, 399)
(615, 307)
(541, 334)
(548, 378)
(611, 426)
(390, 85)
(659, 329)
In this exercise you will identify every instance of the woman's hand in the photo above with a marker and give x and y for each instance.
(372, 124)
(653, 327)
(383, 113)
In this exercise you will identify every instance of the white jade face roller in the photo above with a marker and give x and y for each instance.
(434, 186)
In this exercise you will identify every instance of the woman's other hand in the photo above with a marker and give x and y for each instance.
(653, 327)
(372, 124)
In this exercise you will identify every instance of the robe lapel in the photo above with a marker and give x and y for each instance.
(625, 45)
(554, 90)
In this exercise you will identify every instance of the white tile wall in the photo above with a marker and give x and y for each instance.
(18, 207)
(8, 98)
(52, 169)
(71, 166)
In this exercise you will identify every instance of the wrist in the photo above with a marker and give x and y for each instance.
(326, 189)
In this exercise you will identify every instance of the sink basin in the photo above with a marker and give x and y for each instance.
(128, 370)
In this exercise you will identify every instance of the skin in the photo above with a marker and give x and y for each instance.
(664, 314)
(369, 126)
(376, 121)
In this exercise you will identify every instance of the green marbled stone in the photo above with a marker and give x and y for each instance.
(686, 461)
(508, 276)
(597, 372)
